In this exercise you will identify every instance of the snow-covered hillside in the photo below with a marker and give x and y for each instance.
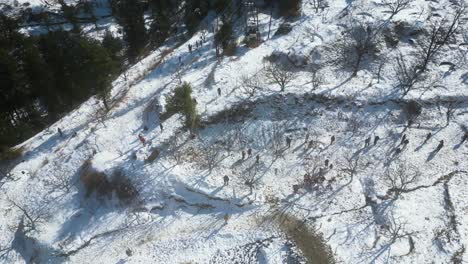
(358, 180)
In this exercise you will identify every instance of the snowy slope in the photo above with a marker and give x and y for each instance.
(184, 214)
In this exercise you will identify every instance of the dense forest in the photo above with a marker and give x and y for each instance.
(44, 76)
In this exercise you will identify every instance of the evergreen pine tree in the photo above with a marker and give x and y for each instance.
(130, 16)
(181, 101)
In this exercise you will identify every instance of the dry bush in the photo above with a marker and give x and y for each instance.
(230, 49)
(412, 109)
(120, 184)
(95, 181)
(153, 156)
(11, 153)
(123, 187)
(311, 243)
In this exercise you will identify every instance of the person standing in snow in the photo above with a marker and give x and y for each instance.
(376, 139)
(142, 139)
(403, 139)
(226, 180)
(243, 154)
(311, 144)
(219, 91)
(190, 48)
(332, 140)
(60, 132)
(464, 137)
(367, 142)
(249, 152)
(428, 136)
(288, 141)
(226, 218)
(258, 159)
(161, 126)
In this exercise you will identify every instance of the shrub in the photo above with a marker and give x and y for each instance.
(412, 109)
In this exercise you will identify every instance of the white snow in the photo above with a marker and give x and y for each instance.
(182, 204)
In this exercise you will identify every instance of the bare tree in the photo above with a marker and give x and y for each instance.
(400, 177)
(211, 153)
(450, 111)
(174, 147)
(351, 166)
(273, 137)
(408, 74)
(59, 180)
(395, 6)
(278, 74)
(250, 85)
(393, 231)
(319, 4)
(33, 213)
(316, 79)
(439, 35)
(358, 42)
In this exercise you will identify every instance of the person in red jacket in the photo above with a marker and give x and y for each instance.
(142, 139)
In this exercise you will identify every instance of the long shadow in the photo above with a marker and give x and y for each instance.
(432, 155)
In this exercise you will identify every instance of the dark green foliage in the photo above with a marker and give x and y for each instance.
(290, 8)
(220, 5)
(76, 62)
(164, 16)
(43, 77)
(129, 14)
(194, 12)
(182, 102)
(224, 38)
(114, 46)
